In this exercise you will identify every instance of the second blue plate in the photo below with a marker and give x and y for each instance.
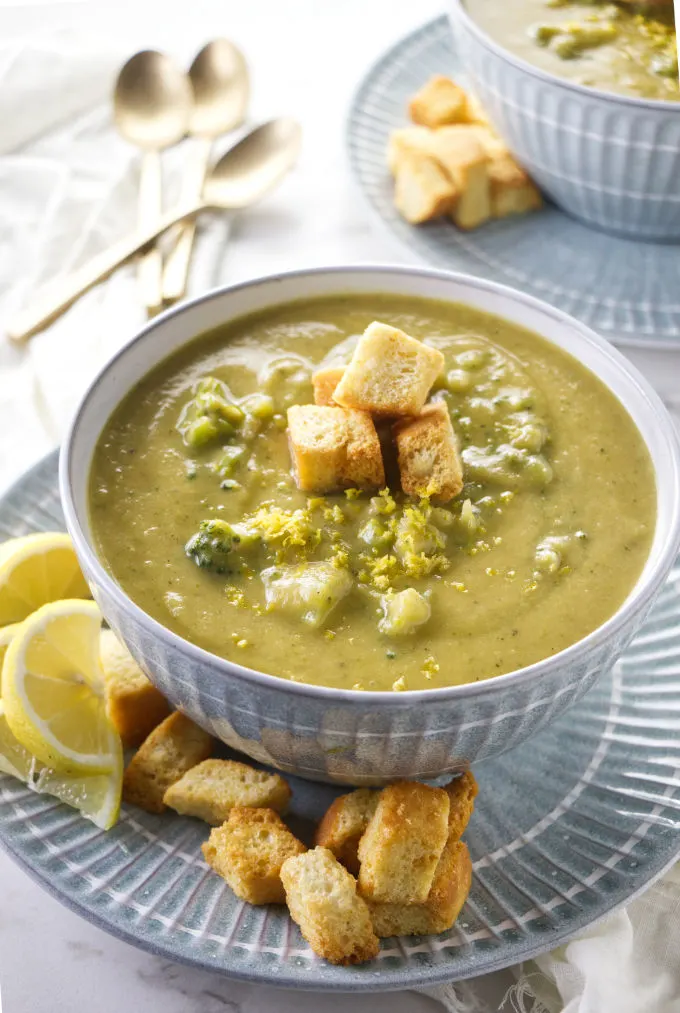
(626, 291)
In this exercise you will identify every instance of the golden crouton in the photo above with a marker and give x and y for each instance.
(423, 191)
(407, 141)
(322, 898)
(133, 703)
(475, 111)
(213, 788)
(390, 373)
(438, 912)
(462, 792)
(403, 843)
(512, 191)
(325, 381)
(248, 852)
(344, 823)
(491, 142)
(464, 158)
(427, 451)
(332, 448)
(438, 102)
(174, 747)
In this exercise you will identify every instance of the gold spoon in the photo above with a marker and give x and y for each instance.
(242, 176)
(221, 89)
(151, 106)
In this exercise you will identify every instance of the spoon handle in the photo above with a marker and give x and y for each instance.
(150, 208)
(176, 270)
(56, 296)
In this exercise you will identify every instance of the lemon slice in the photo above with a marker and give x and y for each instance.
(97, 796)
(6, 634)
(36, 569)
(54, 691)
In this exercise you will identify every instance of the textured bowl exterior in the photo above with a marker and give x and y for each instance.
(611, 161)
(351, 737)
(352, 742)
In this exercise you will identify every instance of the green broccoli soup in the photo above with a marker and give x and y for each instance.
(625, 47)
(196, 513)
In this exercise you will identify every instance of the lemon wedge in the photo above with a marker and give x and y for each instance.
(53, 689)
(36, 569)
(97, 796)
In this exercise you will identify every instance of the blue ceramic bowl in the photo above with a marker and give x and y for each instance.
(611, 161)
(347, 736)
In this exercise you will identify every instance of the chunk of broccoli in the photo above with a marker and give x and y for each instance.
(214, 543)
(210, 414)
(225, 464)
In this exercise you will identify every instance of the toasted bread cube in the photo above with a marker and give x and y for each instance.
(403, 843)
(364, 468)
(439, 102)
(248, 852)
(133, 703)
(322, 898)
(407, 141)
(390, 373)
(317, 437)
(450, 888)
(512, 190)
(332, 448)
(464, 158)
(174, 747)
(423, 191)
(427, 451)
(490, 142)
(325, 381)
(213, 788)
(475, 111)
(462, 792)
(344, 824)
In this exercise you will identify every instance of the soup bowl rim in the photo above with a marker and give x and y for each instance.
(639, 596)
(459, 10)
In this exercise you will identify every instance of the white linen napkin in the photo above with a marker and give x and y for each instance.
(626, 963)
(68, 187)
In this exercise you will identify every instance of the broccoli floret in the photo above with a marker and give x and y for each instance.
(210, 414)
(226, 463)
(215, 542)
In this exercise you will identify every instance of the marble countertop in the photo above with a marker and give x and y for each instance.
(307, 57)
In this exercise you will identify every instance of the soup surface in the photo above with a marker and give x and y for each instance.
(615, 47)
(545, 541)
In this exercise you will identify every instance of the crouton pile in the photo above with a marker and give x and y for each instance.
(452, 163)
(335, 443)
(383, 863)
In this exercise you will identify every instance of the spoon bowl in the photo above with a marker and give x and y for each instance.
(152, 101)
(221, 89)
(253, 166)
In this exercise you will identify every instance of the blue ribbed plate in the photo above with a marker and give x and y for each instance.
(567, 827)
(626, 291)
